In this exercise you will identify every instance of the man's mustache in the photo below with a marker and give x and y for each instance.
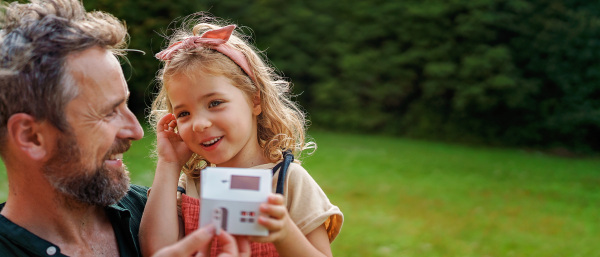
(120, 146)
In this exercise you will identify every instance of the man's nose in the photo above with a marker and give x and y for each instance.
(131, 129)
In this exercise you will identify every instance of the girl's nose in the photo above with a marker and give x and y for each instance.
(200, 124)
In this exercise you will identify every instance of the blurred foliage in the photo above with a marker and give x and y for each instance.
(510, 72)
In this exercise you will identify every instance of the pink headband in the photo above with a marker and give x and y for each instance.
(214, 39)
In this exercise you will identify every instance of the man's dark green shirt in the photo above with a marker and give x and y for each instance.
(125, 217)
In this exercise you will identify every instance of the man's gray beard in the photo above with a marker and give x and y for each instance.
(97, 186)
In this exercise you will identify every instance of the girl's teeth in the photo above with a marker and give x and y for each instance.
(207, 143)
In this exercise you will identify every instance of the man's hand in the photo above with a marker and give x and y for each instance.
(198, 243)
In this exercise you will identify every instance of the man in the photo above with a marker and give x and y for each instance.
(64, 126)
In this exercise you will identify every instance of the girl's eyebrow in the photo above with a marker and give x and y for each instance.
(200, 98)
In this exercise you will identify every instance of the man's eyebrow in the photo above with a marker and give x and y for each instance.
(115, 104)
(118, 102)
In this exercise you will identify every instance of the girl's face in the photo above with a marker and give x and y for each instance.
(216, 119)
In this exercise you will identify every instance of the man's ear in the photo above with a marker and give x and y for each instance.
(26, 134)
(257, 108)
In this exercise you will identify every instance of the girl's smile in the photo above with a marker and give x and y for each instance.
(212, 144)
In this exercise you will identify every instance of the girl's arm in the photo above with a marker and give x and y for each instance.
(286, 236)
(160, 226)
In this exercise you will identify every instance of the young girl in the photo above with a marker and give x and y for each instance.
(221, 105)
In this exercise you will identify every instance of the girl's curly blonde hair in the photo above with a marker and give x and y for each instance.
(281, 126)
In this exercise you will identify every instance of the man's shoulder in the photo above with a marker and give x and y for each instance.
(17, 241)
(137, 191)
(8, 247)
(135, 198)
(134, 202)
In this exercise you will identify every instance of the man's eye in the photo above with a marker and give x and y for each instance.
(214, 103)
(182, 114)
(113, 113)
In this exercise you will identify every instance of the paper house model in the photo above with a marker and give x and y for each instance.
(230, 198)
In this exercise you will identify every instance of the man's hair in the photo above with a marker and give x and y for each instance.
(35, 39)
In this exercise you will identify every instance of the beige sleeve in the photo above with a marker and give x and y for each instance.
(308, 205)
(191, 185)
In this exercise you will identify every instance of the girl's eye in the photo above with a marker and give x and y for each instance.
(182, 114)
(214, 103)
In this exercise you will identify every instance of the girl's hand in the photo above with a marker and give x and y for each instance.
(275, 217)
(170, 146)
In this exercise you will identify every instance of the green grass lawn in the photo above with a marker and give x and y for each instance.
(405, 197)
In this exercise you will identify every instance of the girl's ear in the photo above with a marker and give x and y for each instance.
(27, 136)
(257, 108)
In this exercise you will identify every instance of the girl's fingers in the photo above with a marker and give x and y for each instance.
(167, 122)
(275, 199)
(166, 119)
(275, 211)
(270, 223)
(173, 123)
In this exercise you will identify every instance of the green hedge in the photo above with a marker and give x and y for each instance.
(504, 72)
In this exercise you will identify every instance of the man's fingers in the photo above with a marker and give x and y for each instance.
(243, 244)
(229, 244)
(197, 241)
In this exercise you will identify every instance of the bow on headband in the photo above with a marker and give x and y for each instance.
(214, 39)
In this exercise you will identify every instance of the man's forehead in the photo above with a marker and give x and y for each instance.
(97, 67)
(97, 74)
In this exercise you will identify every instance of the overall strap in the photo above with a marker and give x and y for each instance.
(288, 158)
